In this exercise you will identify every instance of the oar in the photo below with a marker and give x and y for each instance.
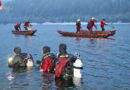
(113, 27)
(96, 28)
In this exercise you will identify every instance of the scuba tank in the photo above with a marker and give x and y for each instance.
(77, 67)
(29, 61)
(10, 61)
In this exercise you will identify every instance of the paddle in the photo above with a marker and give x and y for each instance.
(112, 26)
(96, 24)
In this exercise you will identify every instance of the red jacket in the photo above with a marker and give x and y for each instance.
(78, 25)
(91, 23)
(17, 26)
(60, 66)
(47, 63)
(26, 24)
(0, 4)
(103, 23)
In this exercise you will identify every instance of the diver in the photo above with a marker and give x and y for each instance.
(20, 59)
(64, 63)
(48, 60)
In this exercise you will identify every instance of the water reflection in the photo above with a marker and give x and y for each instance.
(77, 83)
(29, 37)
(78, 38)
(47, 81)
(9, 75)
(92, 40)
(18, 70)
(64, 84)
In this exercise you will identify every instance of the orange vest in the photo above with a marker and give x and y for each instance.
(102, 23)
(0, 4)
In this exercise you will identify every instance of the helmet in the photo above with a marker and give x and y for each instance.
(78, 20)
(93, 18)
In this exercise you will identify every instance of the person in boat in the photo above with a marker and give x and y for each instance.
(91, 24)
(30, 27)
(17, 27)
(26, 25)
(64, 63)
(78, 25)
(20, 60)
(1, 5)
(103, 23)
(48, 60)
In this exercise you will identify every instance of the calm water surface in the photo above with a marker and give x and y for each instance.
(106, 61)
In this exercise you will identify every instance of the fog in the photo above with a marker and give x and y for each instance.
(40, 11)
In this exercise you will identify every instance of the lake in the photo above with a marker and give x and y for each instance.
(106, 62)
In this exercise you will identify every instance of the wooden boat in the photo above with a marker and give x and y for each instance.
(88, 35)
(31, 32)
(112, 32)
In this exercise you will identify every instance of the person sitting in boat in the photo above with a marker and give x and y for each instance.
(30, 27)
(26, 25)
(103, 23)
(78, 25)
(17, 27)
(20, 60)
(48, 60)
(64, 64)
(90, 24)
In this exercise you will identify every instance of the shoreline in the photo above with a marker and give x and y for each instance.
(66, 23)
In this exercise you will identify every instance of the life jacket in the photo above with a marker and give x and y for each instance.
(60, 65)
(17, 26)
(78, 24)
(102, 23)
(91, 23)
(26, 24)
(0, 4)
(47, 64)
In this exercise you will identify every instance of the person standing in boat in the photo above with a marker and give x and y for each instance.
(103, 23)
(78, 25)
(17, 27)
(26, 25)
(90, 24)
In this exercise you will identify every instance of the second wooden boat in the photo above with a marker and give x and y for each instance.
(31, 32)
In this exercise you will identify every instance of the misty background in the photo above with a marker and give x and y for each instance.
(40, 11)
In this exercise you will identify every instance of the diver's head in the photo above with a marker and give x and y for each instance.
(46, 49)
(62, 48)
(17, 50)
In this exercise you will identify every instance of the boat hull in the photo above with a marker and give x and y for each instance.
(86, 34)
(112, 32)
(31, 32)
